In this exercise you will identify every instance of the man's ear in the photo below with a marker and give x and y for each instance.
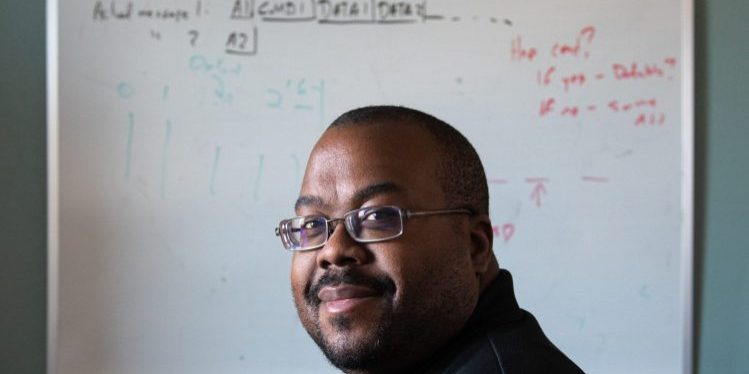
(482, 238)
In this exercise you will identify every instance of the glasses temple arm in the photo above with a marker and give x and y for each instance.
(409, 214)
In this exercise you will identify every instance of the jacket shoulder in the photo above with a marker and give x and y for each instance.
(520, 347)
(524, 348)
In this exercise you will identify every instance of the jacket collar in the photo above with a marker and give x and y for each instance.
(497, 304)
(496, 307)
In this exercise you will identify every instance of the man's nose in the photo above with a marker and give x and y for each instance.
(341, 249)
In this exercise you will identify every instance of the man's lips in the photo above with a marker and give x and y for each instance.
(339, 290)
(344, 297)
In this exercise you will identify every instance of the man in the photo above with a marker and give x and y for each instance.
(393, 269)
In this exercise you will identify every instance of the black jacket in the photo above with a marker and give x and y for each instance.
(500, 338)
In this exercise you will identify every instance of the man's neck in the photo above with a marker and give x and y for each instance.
(489, 276)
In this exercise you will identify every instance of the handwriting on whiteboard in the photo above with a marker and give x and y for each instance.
(244, 16)
(554, 72)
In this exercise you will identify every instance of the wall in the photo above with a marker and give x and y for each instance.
(722, 263)
(722, 182)
(23, 229)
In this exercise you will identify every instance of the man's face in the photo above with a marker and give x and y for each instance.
(382, 306)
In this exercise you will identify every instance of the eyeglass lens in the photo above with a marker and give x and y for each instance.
(365, 225)
(377, 223)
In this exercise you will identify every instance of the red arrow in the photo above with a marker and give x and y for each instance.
(538, 189)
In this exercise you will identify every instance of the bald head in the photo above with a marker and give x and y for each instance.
(460, 172)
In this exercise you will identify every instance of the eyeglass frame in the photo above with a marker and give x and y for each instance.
(329, 228)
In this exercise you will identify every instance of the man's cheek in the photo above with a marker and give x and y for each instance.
(301, 275)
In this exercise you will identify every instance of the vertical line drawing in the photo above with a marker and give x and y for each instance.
(258, 178)
(214, 170)
(129, 146)
(296, 169)
(165, 93)
(165, 155)
(322, 104)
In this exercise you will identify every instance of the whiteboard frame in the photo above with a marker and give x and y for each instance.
(53, 183)
(687, 186)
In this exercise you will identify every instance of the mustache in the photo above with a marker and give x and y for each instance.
(381, 284)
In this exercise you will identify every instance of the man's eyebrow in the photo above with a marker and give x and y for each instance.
(308, 200)
(376, 189)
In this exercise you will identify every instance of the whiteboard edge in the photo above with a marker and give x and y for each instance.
(687, 249)
(53, 200)
(687, 193)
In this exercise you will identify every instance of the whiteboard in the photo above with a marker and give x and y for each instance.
(179, 131)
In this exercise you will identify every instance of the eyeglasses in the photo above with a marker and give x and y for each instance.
(365, 225)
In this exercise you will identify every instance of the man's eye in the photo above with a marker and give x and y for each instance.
(311, 224)
(380, 215)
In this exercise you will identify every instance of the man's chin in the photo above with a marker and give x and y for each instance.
(350, 344)
(341, 332)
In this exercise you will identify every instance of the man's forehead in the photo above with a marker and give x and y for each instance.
(352, 163)
(362, 194)
(382, 143)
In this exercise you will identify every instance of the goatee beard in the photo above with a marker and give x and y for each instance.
(344, 353)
